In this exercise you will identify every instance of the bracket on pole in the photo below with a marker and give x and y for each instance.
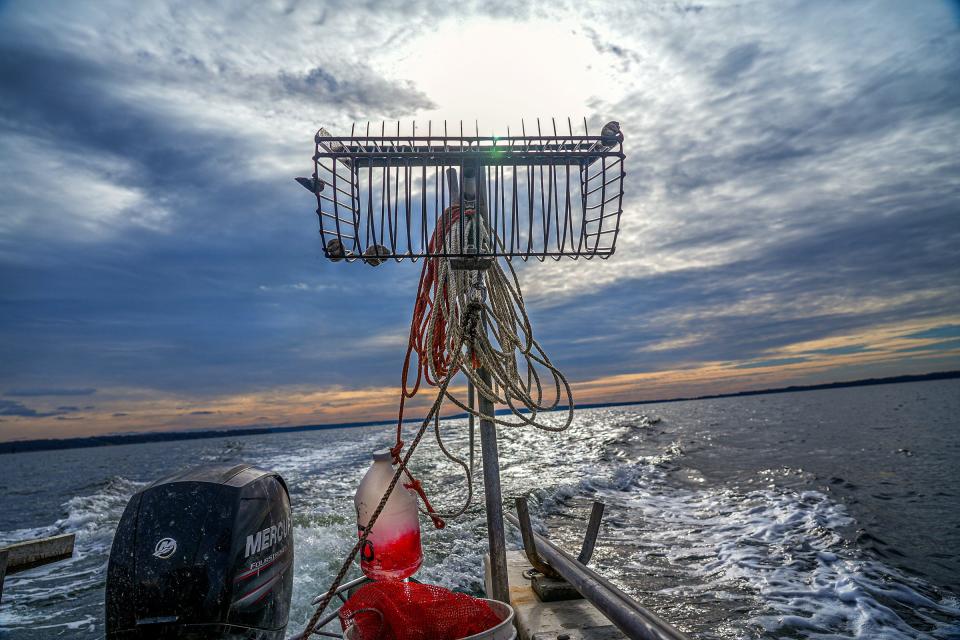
(530, 547)
(547, 582)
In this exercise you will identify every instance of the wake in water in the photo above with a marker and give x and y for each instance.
(777, 560)
(56, 599)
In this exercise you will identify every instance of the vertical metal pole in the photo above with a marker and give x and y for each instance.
(453, 182)
(472, 424)
(491, 488)
(488, 432)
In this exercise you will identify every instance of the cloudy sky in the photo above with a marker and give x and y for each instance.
(792, 210)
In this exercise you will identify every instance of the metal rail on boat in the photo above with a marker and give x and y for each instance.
(331, 616)
(623, 611)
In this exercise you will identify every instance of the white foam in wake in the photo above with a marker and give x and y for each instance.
(93, 519)
(777, 553)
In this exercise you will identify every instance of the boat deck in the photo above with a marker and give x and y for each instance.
(560, 620)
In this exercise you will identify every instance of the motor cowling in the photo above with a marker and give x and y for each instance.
(206, 553)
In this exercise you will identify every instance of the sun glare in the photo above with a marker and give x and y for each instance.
(498, 71)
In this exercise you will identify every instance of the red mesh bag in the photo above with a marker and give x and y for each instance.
(412, 611)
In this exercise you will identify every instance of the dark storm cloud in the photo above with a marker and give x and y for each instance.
(943, 331)
(75, 102)
(13, 408)
(18, 409)
(80, 105)
(625, 56)
(43, 391)
(364, 92)
(74, 105)
(841, 351)
(735, 62)
(773, 362)
(946, 345)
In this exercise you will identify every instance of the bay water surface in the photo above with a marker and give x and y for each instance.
(819, 514)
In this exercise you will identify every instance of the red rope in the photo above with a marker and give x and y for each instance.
(423, 312)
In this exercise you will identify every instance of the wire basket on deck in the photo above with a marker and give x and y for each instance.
(543, 195)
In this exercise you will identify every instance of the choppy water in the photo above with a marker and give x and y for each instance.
(825, 514)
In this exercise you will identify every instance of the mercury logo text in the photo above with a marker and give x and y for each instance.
(268, 537)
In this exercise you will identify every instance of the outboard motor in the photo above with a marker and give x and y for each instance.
(206, 553)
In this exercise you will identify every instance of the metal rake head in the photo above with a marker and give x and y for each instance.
(421, 194)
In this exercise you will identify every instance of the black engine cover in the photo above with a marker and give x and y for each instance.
(206, 553)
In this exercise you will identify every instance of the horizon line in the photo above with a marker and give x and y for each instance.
(82, 442)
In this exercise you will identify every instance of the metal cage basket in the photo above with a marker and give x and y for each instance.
(542, 195)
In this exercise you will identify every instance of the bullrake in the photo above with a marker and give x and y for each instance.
(543, 195)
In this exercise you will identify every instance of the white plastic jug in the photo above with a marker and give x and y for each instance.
(392, 550)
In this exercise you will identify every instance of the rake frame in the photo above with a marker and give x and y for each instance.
(544, 195)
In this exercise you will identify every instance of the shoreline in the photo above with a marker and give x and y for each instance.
(53, 444)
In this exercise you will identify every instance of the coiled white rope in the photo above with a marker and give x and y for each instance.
(468, 308)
